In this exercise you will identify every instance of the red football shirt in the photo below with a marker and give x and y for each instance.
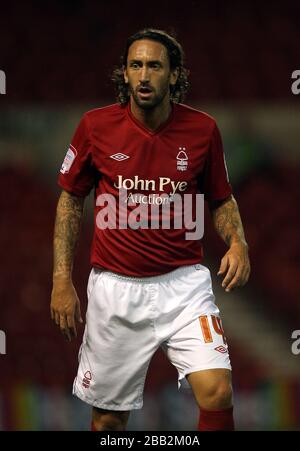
(111, 149)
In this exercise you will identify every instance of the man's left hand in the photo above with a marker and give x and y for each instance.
(235, 265)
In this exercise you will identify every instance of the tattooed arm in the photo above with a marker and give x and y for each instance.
(65, 305)
(235, 264)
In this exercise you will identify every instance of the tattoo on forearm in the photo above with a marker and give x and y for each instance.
(227, 221)
(66, 232)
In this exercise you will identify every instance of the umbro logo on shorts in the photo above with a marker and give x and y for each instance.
(119, 156)
(221, 349)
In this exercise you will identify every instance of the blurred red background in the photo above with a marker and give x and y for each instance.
(58, 57)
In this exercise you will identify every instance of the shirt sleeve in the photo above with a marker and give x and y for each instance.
(77, 175)
(214, 183)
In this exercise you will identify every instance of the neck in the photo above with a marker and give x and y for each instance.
(154, 117)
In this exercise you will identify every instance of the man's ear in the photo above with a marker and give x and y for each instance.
(174, 76)
(125, 74)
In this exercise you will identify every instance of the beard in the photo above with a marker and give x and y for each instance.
(156, 98)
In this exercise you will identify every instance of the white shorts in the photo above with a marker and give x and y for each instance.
(129, 318)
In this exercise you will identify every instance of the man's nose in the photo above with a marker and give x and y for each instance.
(144, 74)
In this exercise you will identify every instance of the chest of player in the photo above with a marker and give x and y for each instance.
(155, 163)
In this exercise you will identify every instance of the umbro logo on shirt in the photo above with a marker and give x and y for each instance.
(119, 156)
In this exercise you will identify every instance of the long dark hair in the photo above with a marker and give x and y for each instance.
(176, 59)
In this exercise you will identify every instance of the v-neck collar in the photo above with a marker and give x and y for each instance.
(145, 130)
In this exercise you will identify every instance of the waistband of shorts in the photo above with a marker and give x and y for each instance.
(153, 279)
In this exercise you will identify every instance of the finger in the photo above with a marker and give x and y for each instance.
(71, 325)
(240, 279)
(64, 327)
(56, 318)
(224, 265)
(78, 313)
(52, 314)
(248, 271)
(237, 280)
(230, 273)
(245, 275)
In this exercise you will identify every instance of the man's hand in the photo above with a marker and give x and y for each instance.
(65, 307)
(236, 266)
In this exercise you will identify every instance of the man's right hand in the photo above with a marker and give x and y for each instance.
(65, 307)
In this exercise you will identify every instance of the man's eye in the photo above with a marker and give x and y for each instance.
(134, 65)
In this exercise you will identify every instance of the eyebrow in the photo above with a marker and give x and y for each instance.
(148, 62)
